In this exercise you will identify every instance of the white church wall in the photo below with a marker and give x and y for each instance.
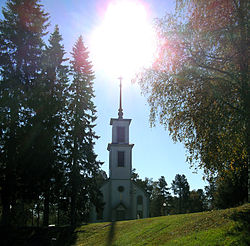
(116, 171)
(128, 197)
(120, 123)
(144, 207)
(118, 196)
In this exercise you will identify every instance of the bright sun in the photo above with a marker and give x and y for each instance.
(125, 40)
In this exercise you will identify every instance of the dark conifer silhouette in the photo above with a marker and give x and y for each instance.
(21, 34)
(81, 116)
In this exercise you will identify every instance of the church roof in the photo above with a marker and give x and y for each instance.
(120, 206)
(117, 119)
(120, 145)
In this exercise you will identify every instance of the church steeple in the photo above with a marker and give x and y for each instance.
(120, 160)
(120, 110)
(123, 199)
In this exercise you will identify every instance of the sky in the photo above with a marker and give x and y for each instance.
(154, 153)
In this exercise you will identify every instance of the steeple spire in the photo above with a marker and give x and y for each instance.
(120, 111)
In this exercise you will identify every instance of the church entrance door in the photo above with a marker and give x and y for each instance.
(120, 214)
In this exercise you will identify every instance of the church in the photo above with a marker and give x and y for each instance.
(123, 198)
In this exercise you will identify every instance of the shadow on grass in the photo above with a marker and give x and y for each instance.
(37, 236)
(242, 227)
(111, 234)
(65, 236)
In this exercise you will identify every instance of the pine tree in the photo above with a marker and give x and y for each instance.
(50, 117)
(21, 33)
(180, 188)
(196, 201)
(81, 116)
(161, 197)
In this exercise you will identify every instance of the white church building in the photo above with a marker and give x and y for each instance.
(123, 198)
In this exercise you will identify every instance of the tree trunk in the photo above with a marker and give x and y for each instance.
(46, 209)
(74, 185)
(6, 207)
(58, 214)
(73, 210)
(248, 163)
(248, 140)
(9, 186)
(38, 214)
(8, 193)
(32, 216)
(245, 87)
(73, 197)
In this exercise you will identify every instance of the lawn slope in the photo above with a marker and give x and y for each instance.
(220, 227)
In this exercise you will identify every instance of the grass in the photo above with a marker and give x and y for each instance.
(219, 227)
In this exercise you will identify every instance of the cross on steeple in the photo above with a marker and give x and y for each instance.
(120, 111)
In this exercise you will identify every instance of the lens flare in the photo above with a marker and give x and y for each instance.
(125, 41)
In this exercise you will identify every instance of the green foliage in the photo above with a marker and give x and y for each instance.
(163, 203)
(81, 137)
(21, 33)
(160, 198)
(47, 136)
(50, 118)
(180, 188)
(199, 85)
(227, 188)
(146, 184)
(197, 201)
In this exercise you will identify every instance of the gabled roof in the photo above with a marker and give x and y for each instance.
(120, 206)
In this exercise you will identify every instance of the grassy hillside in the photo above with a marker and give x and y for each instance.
(220, 227)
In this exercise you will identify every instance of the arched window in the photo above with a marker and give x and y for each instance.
(120, 134)
(120, 159)
(139, 207)
(139, 200)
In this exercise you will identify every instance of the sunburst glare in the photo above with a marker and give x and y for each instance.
(125, 41)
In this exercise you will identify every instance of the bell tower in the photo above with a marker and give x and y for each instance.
(120, 166)
(123, 198)
(120, 151)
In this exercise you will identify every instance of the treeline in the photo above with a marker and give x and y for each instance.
(48, 167)
(221, 192)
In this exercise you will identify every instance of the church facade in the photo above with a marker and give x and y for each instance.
(123, 198)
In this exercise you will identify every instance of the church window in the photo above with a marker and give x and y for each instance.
(120, 188)
(120, 158)
(120, 134)
(139, 200)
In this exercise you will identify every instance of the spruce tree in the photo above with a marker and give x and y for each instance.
(21, 33)
(52, 97)
(180, 187)
(81, 136)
